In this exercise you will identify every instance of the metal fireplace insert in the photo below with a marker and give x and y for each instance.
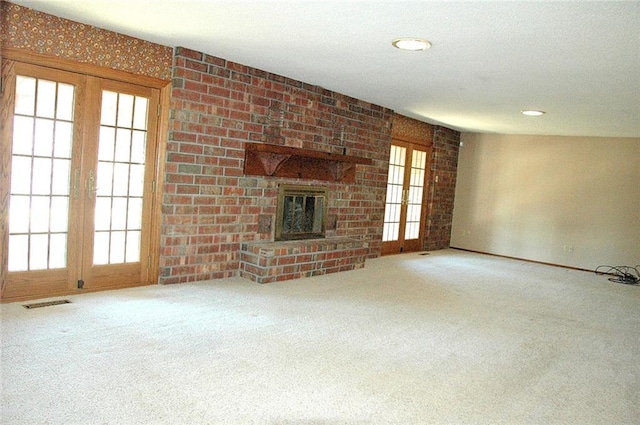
(301, 213)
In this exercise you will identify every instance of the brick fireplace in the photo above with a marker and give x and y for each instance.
(220, 109)
(220, 196)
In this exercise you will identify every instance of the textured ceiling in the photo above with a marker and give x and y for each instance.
(577, 60)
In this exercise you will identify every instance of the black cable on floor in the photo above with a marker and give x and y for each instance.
(621, 274)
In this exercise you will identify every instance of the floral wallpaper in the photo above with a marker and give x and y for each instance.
(27, 29)
(412, 130)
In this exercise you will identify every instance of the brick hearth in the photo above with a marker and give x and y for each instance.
(265, 262)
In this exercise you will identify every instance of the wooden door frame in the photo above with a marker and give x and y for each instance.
(12, 55)
(410, 145)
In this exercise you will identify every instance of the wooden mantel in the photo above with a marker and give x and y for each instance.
(282, 161)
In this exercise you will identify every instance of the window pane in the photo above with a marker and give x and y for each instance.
(60, 183)
(119, 214)
(138, 142)
(120, 179)
(419, 159)
(397, 156)
(63, 139)
(103, 214)
(109, 106)
(140, 113)
(18, 253)
(417, 177)
(43, 145)
(107, 143)
(36, 175)
(46, 100)
(123, 145)
(116, 256)
(59, 213)
(40, 214)
(38, 252)
(41, 176)
(134, 215)
(58, 251)
(390, 232)
(136, 180)
(25, 95)
(105, 178)
(22, 135)
(133, 247)
(412, 231)
(101, 248)
(125, 110)
(21, 175)
(19, 214)
(65, 102)
(413, 212)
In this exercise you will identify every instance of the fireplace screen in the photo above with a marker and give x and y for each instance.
(301, 212)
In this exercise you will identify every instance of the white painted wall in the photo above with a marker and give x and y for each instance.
(572, 201)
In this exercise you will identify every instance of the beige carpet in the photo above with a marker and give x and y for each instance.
(446, 338)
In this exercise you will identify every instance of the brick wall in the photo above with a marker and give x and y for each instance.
(446, 145)
(210, 207)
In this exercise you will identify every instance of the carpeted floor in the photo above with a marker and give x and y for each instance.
(446, 338)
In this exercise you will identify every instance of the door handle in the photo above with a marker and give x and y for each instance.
(76, 183)
(405, 197)
(91, 185)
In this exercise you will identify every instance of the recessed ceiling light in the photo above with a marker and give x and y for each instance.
(411, 43)
(532, 112)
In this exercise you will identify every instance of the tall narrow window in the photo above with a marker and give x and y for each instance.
(395, 193)
(414, 194)
(405, 212)
(40, 174)
(120, 178)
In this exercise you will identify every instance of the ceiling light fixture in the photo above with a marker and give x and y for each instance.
(532, 112)
(411, 43)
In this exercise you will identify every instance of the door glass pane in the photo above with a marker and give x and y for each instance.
(123, 145)
(38, 251)
(117, 251)
(46, 99)
(109, 108)
(22, 135)
(21, 174)
(414, 196)
(63, 140)
(25, 95)
(140, 113)
(133, 247)
(395, 183)
(107, 143)
(19, 220)
(40, 174)
(102, 220)
(59, 214)
(120, 178)
(43, 145)
(57, 257)
(39, 214)
(18, 253)
(64, 111)
(119, 214)
(60, 176)
(100, 254)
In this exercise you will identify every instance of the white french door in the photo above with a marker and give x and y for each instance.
(80, 151)
(405, 210)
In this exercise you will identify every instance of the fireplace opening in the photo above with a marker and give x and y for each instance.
(301, 212)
